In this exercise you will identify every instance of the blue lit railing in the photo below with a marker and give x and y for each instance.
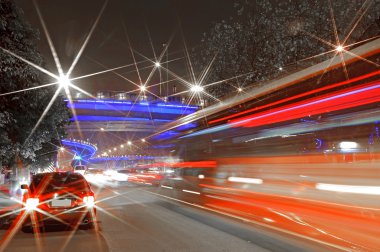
(121, 158)
(143, 106)
(82, 150)
(165, 135)
(114, 118)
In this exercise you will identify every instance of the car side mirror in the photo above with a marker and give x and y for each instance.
(24, 186)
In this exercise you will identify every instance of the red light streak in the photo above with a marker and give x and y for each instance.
(297, 96)
(344, 99)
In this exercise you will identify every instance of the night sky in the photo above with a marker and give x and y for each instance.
(69, 21)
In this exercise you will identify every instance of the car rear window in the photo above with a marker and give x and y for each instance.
(50, 182)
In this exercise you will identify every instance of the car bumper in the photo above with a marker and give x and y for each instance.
(66, 217)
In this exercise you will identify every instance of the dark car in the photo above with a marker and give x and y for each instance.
(59, 198)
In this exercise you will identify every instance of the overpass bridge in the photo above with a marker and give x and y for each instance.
(111, 123)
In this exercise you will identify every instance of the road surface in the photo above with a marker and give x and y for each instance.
(137, 218)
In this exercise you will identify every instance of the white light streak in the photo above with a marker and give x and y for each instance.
(348, 145)
(245, 180)
(30, 63)
(87, 39)
(28, 89)
(371, 190)
(268, 220)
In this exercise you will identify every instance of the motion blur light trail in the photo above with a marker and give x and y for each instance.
(294, 97)
(330, 198)
(361, 189)
(353, 97)
(348, 98)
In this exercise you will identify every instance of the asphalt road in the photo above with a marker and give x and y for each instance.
(135, 218)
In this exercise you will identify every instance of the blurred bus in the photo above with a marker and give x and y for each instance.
(300, 153)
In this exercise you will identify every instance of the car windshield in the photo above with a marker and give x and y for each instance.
(50, 182)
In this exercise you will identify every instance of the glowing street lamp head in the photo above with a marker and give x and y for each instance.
(64, 81)
(339, 48)
(129, 143)
(240, 89)
(143, 140)
(142, 88)
(157, 64)
(196, 88)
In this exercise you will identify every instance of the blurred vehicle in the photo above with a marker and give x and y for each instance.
(94, 175)
(58, 198)
(146, 176)
(80, 169)
(300, 159)
(120, 175)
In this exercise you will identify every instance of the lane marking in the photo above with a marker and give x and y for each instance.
(193, 192)
(168, 187)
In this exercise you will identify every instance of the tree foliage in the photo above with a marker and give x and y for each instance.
(20, 112)
(266, 36)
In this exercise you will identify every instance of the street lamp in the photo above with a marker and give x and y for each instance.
(339, 48)
(63, 81)
(196, 88)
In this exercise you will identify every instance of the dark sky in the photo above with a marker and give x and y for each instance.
(69, 21)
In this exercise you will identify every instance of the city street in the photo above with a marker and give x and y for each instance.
(189, 126)
(131, 218)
